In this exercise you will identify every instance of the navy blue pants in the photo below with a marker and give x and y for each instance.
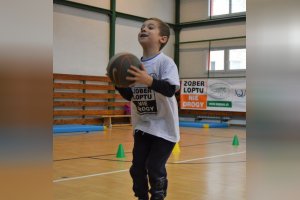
(150, 155)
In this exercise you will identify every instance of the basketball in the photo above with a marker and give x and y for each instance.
(118, 66)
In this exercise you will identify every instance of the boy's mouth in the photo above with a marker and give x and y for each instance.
(143, 35)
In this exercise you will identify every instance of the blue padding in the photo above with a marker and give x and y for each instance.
(76, 128)
(191, 124)
(218, 125)
(201, 124)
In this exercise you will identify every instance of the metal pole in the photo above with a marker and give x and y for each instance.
(177, 30)
(112, 28)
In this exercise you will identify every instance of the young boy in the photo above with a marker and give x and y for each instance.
(154, 111)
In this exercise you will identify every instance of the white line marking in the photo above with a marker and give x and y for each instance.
(229, 154)
(126, 170)
(87, 176)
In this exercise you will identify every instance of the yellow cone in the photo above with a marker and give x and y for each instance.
(176, 149)
(205, 125)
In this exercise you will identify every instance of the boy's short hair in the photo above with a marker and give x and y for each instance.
(164, 29)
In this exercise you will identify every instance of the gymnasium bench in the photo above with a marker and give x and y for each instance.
(87, 100)
(221, 116)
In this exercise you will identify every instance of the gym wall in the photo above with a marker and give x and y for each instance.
(193, 56)
(80, 41)
(100, 4)
(164, 10)
(193, 10)
(81, 38)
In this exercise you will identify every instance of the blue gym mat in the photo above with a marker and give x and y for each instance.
(203, 124)
(76, 128)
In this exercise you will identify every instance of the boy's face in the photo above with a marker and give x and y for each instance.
(149, 34)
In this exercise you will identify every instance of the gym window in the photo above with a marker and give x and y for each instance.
(227, 60)
(237, 59)
(216, 60)
(226, 7)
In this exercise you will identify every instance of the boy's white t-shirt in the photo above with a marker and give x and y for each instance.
(151, 111)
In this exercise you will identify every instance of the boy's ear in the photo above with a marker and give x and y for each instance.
(163, 39)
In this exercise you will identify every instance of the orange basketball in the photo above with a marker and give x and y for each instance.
(118, 66)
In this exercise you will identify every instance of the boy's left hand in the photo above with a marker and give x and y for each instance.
(140, 75)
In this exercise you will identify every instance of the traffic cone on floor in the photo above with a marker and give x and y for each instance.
(176, 149)
(120, 153)
(205, 125)
(235, 141)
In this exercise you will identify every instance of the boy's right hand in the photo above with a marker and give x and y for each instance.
(140, 76)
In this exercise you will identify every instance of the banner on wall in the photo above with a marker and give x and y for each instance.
(213, 94)
(193, 94)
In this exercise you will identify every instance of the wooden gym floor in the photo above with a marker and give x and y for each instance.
(205, 167)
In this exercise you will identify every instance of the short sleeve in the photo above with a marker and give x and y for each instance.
(169, 72)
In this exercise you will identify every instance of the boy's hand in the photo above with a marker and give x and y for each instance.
(140, 75)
